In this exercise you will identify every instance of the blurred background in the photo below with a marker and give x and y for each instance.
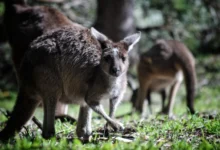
(196, 23)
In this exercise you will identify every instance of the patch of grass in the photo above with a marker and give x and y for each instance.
(199, 131)
(186, 132)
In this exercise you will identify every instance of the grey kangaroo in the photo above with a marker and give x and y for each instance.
(71, 65)
(25, 23)
(163, 66)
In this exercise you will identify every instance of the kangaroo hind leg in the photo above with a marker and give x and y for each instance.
(22, 112)
(50, 103)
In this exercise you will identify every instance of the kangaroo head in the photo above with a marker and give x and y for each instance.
(164, 48)
(114, 60)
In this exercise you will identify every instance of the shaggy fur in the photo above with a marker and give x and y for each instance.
(25, 23)
(71, 65)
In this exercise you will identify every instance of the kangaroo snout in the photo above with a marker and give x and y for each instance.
(115, 71)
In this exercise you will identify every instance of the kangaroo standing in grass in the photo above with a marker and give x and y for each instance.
(163, 66)
(71, 65)
(25, 23)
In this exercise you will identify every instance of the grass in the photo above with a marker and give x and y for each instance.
(199, 131)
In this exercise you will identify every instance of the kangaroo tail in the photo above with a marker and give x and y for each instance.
(187, 63)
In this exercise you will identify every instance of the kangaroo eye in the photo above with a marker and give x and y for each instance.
(104, 45)
(123, 58)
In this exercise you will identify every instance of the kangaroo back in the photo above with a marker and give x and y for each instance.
(25, 23)
(187, 63)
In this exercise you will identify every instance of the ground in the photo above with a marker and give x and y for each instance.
(199, 131)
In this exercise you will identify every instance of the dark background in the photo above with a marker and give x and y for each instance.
(196, 23)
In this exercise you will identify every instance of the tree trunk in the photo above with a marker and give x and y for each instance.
(115, 18)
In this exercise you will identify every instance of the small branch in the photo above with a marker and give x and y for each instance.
(117, 117)
(37, 122)
(6, 113)
(51, 1)
(121, 116)
(66, 118)
(34, 119)
(148, 29)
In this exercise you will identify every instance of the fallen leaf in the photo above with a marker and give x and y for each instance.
(123, 139)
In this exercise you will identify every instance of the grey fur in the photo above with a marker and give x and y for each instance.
(70, 66)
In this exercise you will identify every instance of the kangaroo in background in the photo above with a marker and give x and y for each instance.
(24, 24)
(162, 92)
(163, 66)
(71, 65)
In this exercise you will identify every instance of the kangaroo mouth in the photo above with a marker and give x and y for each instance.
(112, 74)
(116, 74)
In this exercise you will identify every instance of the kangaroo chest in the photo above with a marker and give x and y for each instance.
(161, 82)
(76, 88)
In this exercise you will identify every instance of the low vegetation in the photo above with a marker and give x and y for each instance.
(199, 131)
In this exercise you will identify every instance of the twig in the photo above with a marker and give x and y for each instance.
(37, 122)
(6, 113)
(34, 119)
(121, 116)
(117, 117)
(66, 118)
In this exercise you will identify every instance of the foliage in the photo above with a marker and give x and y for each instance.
(199, 131)
(1, 8)
(80, 11)
(196, 23)
(7, 75)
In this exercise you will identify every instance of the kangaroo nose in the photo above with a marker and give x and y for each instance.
(115, 71)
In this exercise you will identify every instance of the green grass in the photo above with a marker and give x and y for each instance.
(200, 131)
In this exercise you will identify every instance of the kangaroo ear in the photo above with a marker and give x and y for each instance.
(99, 36)
(131, 40)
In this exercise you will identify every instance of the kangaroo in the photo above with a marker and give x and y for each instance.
(24, 24)
(163, 66)
(71, 65)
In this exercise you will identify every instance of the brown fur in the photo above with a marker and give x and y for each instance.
(71, 65)
(161, 67)
(25, 23)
